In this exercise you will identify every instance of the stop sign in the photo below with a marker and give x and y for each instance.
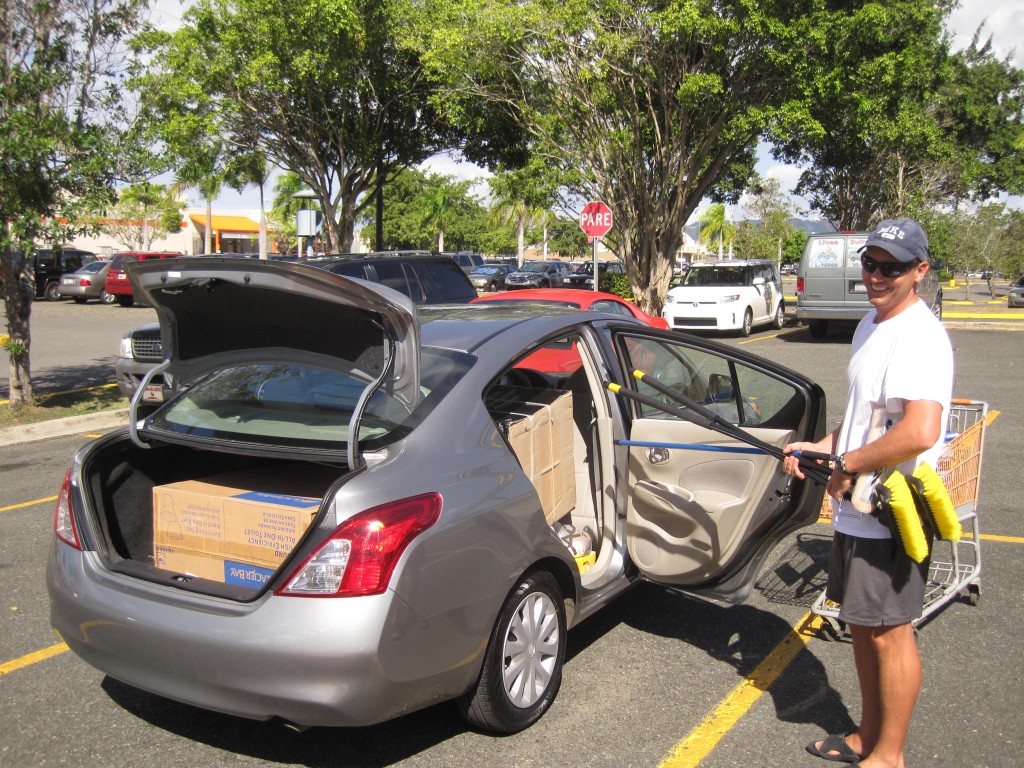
(596, 219)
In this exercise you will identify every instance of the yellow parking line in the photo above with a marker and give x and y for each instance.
(27, 504)
(32, 658)
(698, 744)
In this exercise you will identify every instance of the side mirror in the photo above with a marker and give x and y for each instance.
(720, 387)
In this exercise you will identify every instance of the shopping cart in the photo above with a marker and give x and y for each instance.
(955, 569)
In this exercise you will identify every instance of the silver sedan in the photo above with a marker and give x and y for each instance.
(354, 509)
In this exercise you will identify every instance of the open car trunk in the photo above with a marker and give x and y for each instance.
(151, 514)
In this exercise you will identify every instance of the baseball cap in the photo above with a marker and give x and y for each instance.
(903, 239)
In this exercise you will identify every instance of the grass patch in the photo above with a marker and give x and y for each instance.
(63, 404)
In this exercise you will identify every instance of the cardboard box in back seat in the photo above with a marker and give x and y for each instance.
(538, 426)
(240, 519)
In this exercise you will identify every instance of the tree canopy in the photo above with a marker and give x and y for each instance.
(62, 66)
(323, 88)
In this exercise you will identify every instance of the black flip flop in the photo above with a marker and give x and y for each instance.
(835, 749)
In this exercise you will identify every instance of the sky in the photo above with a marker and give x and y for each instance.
(1003, 20)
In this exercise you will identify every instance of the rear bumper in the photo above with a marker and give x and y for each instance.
(308, 661)
(831, 313)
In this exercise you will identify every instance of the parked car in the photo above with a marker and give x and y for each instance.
(468, 260)
(1016, 296)
(830, 286)
(490, 277)
(87, 283)
(583, 277)
(425, 277)
(340, 527)
(539, 274)
(727, 296)
(46, 267)
(118, 284)
(595, 301)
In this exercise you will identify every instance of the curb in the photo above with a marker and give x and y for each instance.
(72, 425)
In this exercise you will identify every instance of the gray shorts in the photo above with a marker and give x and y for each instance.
(874, 582)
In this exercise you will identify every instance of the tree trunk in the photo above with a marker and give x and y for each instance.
(19, 291)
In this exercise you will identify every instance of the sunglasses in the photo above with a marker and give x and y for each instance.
(891, 269)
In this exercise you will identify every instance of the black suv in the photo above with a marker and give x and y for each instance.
(48, 266)
(425, 277)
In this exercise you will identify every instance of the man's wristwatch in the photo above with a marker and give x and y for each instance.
(840, 463)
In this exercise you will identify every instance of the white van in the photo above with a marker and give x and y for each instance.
(829, 286)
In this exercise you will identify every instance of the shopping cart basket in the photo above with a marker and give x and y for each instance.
(955, 568)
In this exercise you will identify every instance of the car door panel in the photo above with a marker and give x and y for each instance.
(691, 510)
(706, 503)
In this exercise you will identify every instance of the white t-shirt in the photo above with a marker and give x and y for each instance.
(907, 357)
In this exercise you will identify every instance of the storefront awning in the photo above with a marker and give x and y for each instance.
(226, 223)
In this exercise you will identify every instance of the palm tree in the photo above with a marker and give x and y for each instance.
(204, 174)
(713, 225)
(252, 168)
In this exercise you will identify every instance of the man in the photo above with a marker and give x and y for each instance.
(900, 383)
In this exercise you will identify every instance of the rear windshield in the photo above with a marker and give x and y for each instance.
(301, 405)
(120, 259)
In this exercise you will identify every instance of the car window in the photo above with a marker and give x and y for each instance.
(607, 305)
(93, 267)
(449, 281)
(302, 405)
(121, 259)
(718, 276)
(46, 260)
(736, 392)
(395, 275)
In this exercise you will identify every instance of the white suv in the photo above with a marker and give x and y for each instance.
(727, 296)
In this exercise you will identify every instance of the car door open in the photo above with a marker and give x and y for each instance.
(704, 506)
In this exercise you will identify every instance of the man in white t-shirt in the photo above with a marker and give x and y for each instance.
(900, 383)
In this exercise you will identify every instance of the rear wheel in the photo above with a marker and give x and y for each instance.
(818, 328)
(107, 298)
(125, 301)
(780, 317)
(523, 667)
(52, 292)
(79, 300)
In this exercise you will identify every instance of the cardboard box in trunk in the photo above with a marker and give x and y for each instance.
(214, 567)
(539, 428)
(244, 518)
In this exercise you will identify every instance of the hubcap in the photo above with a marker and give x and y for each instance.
(530, 650)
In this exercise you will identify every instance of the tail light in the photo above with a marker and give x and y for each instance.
(84, 282)
(799, 285)
(359, 557)
(63, 518)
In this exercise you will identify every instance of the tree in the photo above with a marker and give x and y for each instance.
(767, 235)
(63, 140)
(203, 171)
(251, 168)
(141, 209)
(715, 229)
(324, 88)
(656, 106)
(914, 127)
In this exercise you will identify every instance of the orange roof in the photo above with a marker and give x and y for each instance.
(226, 223)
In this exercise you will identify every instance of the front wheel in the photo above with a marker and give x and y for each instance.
(748, 323)
(937, 306)
(523, 667)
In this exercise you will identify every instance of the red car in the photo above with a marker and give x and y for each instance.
(595, 301)
(117, 283)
